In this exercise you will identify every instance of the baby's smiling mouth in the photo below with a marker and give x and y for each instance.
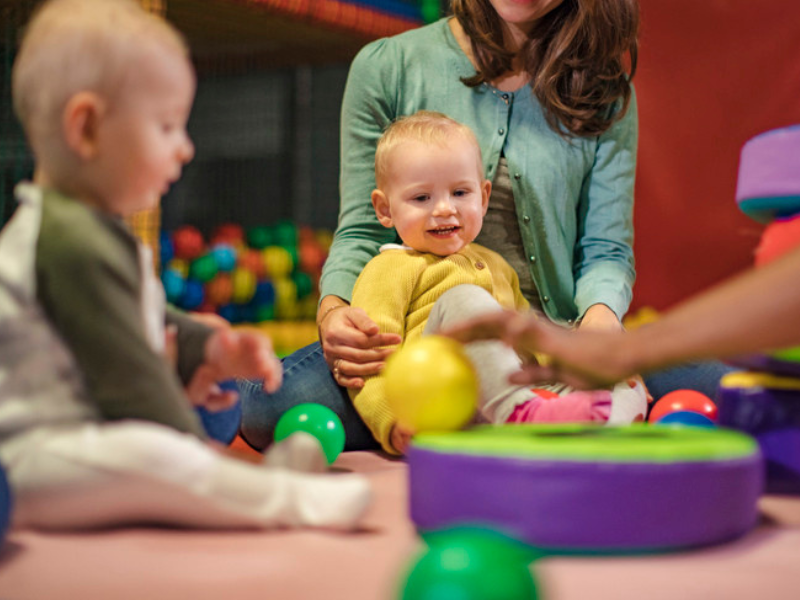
(444, 230)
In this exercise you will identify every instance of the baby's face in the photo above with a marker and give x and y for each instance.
(437, 194)
(142, 139)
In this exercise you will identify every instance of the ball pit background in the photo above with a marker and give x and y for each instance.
(253, 275)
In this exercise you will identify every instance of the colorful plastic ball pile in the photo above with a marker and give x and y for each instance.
(245, 275)
(683, 401)
(318, 420)
(471, 564)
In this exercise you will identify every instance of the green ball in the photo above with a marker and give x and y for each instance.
(304, 284)
(265, 312)
(320, 421)
(204, 268)
(491, 540)
(260, 237)
(285, 233)
(471, 565)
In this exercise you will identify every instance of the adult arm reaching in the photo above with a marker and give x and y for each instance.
(758, 310)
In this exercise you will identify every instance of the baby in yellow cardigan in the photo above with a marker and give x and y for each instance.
(431, 189)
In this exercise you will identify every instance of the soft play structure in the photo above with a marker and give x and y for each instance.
(764, 400)
(589, 489)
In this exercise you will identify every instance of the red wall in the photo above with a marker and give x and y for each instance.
(712, 74)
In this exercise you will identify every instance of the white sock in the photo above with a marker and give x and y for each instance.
(327, 501)
(628, 403)
(300, 451)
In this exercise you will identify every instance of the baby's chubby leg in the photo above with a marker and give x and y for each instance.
(494, 361)
(98, 475)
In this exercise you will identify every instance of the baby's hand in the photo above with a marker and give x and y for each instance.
(240, 353)
(400, 438)
(204, 390)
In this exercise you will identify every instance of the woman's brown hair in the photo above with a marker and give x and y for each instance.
(580, 57)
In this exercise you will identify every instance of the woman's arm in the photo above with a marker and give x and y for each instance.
(758, 310)
(352, 344)
(603, 264)
(367, 109)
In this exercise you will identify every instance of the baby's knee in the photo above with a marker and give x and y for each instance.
(459, 303)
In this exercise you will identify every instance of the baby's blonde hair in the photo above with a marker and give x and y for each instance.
(70, 46)
(425, 126)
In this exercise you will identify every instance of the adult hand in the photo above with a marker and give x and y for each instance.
(352, 343)
(584, 359)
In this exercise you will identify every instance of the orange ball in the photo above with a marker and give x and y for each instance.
(251, 260)
(219, 290)
(683, 400)
(778, 238)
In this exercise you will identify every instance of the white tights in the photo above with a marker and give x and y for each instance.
(102, 474)
(495, 361)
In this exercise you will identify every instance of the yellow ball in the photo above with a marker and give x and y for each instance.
(431, 385)
(244, 286)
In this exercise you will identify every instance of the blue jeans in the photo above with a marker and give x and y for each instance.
(702, 377)
(306, 378)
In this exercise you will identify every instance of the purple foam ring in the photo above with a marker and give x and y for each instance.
(588, 506)
(772, 416)
(768, 165)
(767, 364)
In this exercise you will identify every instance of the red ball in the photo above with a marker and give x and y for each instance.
(229, 233)
(683, 400)
(778, 238)
(187, 242)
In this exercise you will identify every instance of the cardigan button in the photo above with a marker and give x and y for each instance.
(526, 219)
(479, 265)
(546, 298)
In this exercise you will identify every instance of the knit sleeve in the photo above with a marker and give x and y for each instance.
(368, 107)
(384, 290)
(603, 264)
(88, 283)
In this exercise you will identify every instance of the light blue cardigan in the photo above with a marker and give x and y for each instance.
(574, 198)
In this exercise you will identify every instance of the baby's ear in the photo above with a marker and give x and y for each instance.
(80, 122)
(381, 205)
(486, 191)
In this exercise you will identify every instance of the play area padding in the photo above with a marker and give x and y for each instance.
(575, 489)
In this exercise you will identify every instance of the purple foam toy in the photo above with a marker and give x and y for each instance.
(768, 408)
(589, 489)
(769, 175)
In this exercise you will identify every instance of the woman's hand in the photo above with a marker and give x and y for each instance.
(600, 318)
(352, 343)
(585, 359)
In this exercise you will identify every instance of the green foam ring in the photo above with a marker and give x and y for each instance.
(788, 354)
(637, 443)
